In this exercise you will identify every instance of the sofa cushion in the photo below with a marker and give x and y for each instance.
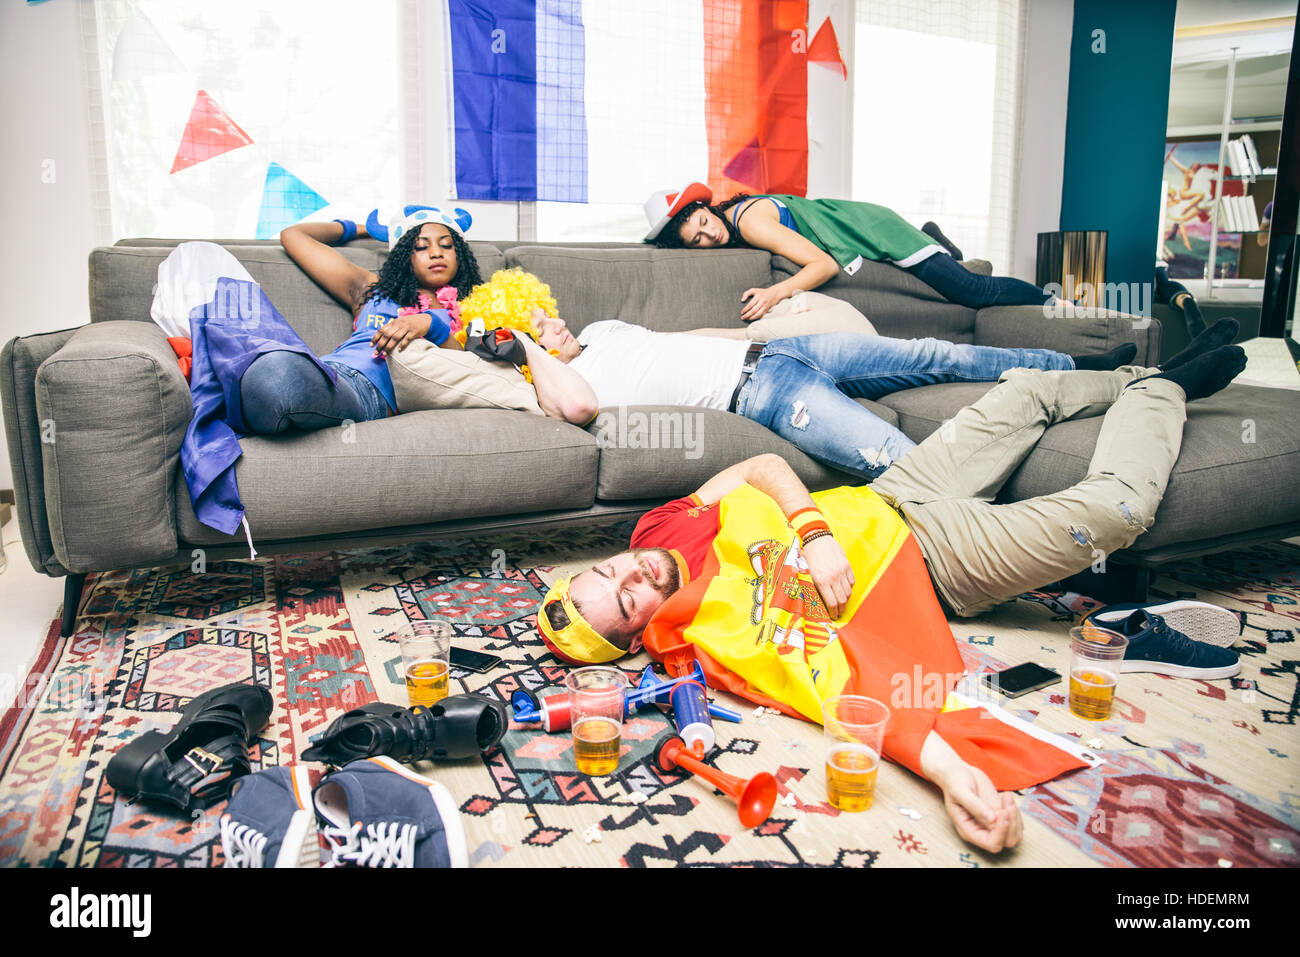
(897, 303)
(656, 451)
(406, 470)
(806, 314)
(427, 377)
(1238, 468)
(671, 290)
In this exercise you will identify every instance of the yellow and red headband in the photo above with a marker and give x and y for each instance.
(578, 643)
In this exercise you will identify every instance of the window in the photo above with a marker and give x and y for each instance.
(936, 88)
(236, 119)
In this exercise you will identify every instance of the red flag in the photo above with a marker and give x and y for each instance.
(825, 49)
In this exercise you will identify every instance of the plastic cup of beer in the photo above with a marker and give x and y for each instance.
(426, 646)
(855, 732)
(1095, 658)
(596, 706)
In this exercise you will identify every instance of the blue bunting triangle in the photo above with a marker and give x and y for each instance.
(285, 200)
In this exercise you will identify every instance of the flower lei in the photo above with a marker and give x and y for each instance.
(447, 299)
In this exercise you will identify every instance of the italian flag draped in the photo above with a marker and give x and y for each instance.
(757, 625)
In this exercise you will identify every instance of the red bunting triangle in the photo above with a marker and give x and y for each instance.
(825, 48)
(210, 132)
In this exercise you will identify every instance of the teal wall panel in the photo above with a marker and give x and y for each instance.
(1115, 128)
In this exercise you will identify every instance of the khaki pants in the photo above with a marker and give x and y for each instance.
(980, 554)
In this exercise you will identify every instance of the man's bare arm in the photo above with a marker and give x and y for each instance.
(769, 473)
(772, 475)
(561, 391)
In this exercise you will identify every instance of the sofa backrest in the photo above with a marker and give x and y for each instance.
(666, 289)
(122, 279)
(669, 290)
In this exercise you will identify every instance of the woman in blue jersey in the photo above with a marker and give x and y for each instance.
(822, 236)
(429, 267)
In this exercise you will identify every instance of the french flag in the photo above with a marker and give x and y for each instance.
(670, 89)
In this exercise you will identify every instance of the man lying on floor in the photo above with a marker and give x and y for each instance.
(787, 598)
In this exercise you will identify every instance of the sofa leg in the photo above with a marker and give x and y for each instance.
(71, 602)
(1118, 583)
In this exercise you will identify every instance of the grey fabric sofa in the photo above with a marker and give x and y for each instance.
(94, 418)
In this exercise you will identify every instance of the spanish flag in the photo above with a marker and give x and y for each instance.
(759, 628)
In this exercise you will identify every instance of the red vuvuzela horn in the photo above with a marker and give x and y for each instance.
(754, 797)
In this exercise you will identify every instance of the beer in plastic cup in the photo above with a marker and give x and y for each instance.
(1095, 658)
(426, 646)
(596, 710)
(854, 733)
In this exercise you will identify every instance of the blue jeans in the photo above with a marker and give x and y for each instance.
(958, 284)
(803, 389)
(282, 390)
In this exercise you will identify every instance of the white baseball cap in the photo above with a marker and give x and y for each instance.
(663, 206)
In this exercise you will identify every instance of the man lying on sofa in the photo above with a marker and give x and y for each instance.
(801, 388)
(787, 598)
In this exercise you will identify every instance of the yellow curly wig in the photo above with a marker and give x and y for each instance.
(506, 301)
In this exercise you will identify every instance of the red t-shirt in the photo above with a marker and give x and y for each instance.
(683, 525)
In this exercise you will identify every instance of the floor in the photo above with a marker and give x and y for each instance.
(31, 600)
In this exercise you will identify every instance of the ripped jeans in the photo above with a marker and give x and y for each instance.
(803, 389)
(980, 552)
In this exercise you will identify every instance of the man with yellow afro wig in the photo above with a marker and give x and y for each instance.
(506, 301)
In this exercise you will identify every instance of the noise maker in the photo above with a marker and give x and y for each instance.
(754, 798)
(655, 689)
(552, 713)
(691, 716)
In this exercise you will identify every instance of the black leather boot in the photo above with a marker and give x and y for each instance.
(460, 726)
(194, 765)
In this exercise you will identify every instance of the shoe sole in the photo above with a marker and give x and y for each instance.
(300, 847)
(1179, 671)
(448, 813)
(1198, 620)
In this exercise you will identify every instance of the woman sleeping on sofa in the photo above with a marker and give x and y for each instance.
(821, 236)
(429, 267)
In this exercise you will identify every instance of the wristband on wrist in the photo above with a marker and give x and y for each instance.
(349, 230)
(811, 537)
(807, 520)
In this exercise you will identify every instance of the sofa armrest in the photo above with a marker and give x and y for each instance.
(113, 407)
(1027, 327)
(18, 364)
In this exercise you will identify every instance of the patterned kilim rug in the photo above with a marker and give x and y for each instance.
(1195, 773)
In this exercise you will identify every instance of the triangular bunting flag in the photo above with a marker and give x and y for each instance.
(747, 166)
(140, 51)
(210, 132)
(825, 49)
(285, 200)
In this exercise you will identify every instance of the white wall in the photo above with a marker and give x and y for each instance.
(48, 226)
(1046, 85)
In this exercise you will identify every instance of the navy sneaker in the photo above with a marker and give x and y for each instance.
(269, 823)
(1155, 647)
(1198, 620)
(376, 813)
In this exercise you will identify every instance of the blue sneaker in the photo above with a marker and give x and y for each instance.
(269, 823)
(1155, 647)
(377, 813)
(1198, 620)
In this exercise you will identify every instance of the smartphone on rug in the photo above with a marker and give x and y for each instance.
(477, 661)
(1021, 679)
